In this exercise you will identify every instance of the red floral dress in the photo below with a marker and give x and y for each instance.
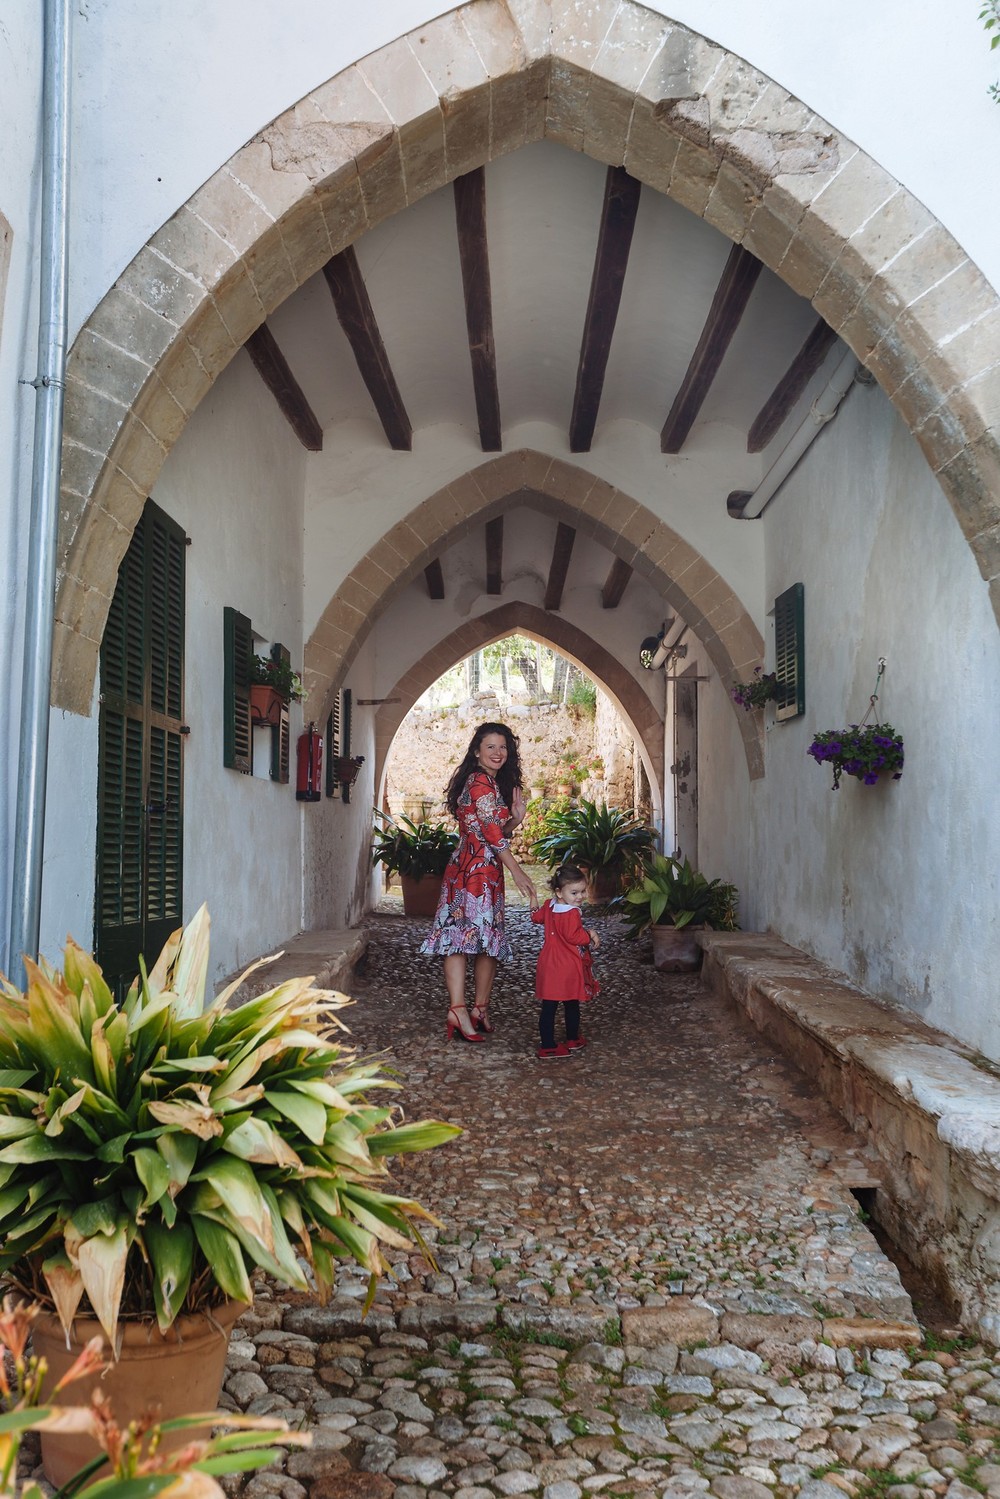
(469, 917)
(565, 967)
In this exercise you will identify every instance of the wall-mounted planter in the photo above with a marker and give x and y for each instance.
(266, 704)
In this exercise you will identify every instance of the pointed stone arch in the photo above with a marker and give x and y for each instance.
(681, 575)
(624, 85)
(519, 617)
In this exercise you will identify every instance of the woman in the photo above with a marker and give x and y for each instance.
(485, 796)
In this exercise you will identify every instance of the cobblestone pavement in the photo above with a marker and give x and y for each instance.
(651, 1276)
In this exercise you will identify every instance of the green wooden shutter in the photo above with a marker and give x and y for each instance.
(345, 733)
(281, 731)
(332, 746)
(237, 744)
(789, 652)
(140, 812)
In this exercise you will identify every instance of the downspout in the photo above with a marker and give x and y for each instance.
(750, 504)
(43, 520)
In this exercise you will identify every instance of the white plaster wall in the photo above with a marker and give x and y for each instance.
(342, 522)
(234, 482)
(145, 138)
(899, 884)
(336, 875)
(725, 792)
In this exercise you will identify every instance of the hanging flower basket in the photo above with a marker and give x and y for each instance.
(761, 689)
(346, 768)
(865, 750)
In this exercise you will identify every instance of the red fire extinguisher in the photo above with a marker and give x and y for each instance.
(309, 766)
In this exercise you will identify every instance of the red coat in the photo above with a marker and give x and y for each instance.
(565, 968)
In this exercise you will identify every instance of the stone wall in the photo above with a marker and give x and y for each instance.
(553, 737)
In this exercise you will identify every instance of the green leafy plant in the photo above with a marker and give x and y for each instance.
(140, 1468)
(595, 836)
(762, 688)
(152, 1157)
(582, 694)
(265, 671)
(671, 893)
(866, 751)
(403, 846)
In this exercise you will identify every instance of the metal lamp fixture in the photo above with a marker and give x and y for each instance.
(653, 651)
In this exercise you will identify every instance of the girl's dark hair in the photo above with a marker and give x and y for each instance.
(566, 874)
(507, 777)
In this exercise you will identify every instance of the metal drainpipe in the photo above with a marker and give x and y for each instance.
(743, 506)
(43, 523)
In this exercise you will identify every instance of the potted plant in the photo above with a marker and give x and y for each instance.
(607, 842)
(670, 901)
(273, 685)
(419, 853)
(141, 1457)
(866, 751)
(760, 690)
(154, 1157)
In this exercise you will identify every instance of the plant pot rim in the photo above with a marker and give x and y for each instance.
(135, 1331)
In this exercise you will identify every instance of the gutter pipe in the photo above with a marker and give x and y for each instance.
(43, 520)
(750, 505)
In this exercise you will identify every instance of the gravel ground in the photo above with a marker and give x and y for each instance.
(651, 1276)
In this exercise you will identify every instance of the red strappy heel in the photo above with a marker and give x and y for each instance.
(481, 1020)
(454, 1025)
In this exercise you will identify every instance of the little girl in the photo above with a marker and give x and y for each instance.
(565, 973)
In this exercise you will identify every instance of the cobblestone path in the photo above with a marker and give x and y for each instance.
(651, 1276)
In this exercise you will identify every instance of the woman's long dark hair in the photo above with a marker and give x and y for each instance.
(507, 777)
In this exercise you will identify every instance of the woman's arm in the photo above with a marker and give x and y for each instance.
(521, 879)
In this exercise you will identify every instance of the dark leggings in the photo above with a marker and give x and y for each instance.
(547, 1020)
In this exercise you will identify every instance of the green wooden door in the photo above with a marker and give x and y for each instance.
(140, 806)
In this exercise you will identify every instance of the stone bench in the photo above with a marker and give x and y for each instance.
(330, 956)
(927, 1103)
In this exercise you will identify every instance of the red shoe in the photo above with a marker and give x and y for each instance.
(454, 1027)
(578, 1044)
(553, 1053)
(481, 1020)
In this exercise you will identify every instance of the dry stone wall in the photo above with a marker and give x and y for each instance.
(553, 738)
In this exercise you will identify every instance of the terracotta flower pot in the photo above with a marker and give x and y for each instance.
(603, 884)
(179, 1371)
(676, 951)
(266, 704)
(420, 896)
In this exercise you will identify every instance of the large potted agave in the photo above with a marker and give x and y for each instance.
(153, 1158)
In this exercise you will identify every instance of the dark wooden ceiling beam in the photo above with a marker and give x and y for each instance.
(494, 555)
(355, 315)
(273, 368)
(562, 550)
(615, 584)
(435, 579)
(728, 306)
(473, 251)
(790, 387)
(621, 203)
